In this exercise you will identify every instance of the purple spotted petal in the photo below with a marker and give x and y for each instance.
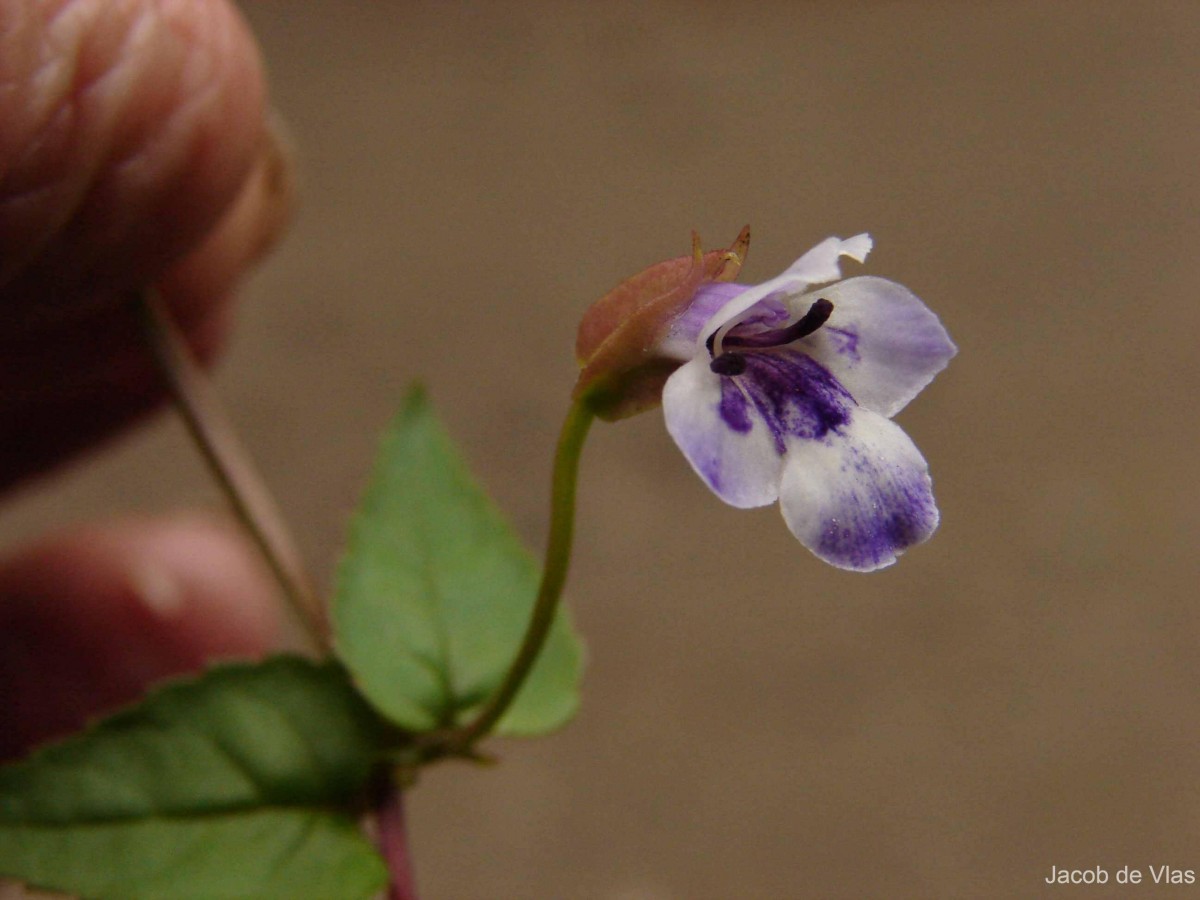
(794, 395)
(861, 496)
(736, 430)
(720, 433)
(881, 342)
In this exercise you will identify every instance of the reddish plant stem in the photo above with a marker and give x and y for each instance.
(393, 843)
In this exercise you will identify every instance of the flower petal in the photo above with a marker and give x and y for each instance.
(817, 266)
(820, 264)
(722, 436)
(859, 497)
(794, 395)
(881, 342)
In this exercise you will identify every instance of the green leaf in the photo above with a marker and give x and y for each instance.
(238, 784)
(435, 591)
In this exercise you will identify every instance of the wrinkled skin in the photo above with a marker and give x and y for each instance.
(133, 151)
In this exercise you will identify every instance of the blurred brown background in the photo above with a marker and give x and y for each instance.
(1022, 692)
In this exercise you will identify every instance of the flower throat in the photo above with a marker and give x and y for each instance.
(731, 363)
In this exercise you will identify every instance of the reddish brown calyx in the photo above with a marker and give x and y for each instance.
(617, 346)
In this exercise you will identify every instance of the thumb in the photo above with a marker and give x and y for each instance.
(130, 126)
(133, 152)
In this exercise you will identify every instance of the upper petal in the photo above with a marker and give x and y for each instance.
(859, 497)
(881, 342)
(722, 435)
(821, 263)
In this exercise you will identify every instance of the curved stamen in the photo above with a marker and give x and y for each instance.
(818, 314)
(732, 363)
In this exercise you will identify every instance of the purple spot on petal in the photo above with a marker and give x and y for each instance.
(735, 408)
(795, 396)
(711, 472)
(894, 511)
(845, 341)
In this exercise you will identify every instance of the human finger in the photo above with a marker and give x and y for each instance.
(89, 619)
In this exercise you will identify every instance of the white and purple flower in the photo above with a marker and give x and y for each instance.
(786, 393)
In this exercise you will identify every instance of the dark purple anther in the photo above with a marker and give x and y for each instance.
(728, 364)
(818, 314)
